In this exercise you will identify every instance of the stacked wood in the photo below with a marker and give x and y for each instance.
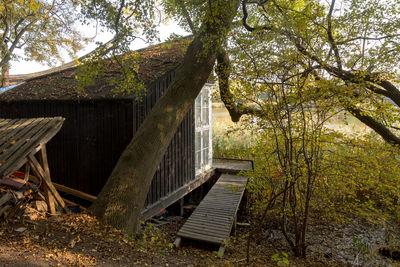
(16, 196)
(23, 143)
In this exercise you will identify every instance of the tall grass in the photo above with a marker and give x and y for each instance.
(232, 141)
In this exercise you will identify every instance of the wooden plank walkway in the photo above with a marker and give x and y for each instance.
(213, 219)
(232, 166)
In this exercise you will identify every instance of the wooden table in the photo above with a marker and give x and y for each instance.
(23, 142)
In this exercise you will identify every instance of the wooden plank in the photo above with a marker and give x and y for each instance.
(176, 195)
(43, 135)
(216, 220)
(17, 128)
(202, 221)
(206, 231)
(74, 192)
(208, 228)
(218, 212)
(7, 128)
(210, 215)
(204, 234)
(42, 174)
(8, 157)
(208, 239)
(213, 219)
(49, 199)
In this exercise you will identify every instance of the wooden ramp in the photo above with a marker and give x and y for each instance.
(213, 219)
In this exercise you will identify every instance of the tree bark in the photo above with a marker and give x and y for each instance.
(5, 77)
(121, 200)
(223, 70)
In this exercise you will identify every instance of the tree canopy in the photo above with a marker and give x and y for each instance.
(42, 30)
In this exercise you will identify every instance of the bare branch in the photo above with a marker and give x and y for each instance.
(245, 16)
(187, 16)
(330, 36)
(368, 38)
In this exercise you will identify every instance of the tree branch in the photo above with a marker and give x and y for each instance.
(330, 36)
(223, 71)
(245, 16)
(187, 16)
(378, 127)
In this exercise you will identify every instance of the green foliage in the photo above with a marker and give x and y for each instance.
(232, 142)
(151, 238)
(360, 245)
(361, 178)
(281, 259)
(40, 28)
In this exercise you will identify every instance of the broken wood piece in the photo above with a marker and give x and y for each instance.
(4, 209)
(75, 192)
(39, 172)
(20, 229)
(13, 182)
(50, 200)
(177, 242)
(5, 198)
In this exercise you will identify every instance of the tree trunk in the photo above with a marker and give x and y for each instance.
(121, 200)
(5, 79)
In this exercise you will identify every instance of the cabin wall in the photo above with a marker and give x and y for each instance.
(84, 152)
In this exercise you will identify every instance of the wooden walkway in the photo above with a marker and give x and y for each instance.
(20, 141)
(213, 219)
(232, 166)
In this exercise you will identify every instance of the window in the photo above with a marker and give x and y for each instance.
(203, 134)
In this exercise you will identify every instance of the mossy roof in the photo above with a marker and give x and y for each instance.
(155, 61)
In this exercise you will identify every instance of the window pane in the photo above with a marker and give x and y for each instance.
(205, 96)
(197, 103)
(197, 142)
(198, 117)
(206, 138)
(198, 160)
(205, 157)
(205, 116)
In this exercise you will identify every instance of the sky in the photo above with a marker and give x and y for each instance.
(24, 67)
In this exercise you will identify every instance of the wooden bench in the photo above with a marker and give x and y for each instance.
(23, 142)
(213, 219)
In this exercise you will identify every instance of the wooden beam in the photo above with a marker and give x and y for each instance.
(38, 170)
(75, 192)
(176, 195)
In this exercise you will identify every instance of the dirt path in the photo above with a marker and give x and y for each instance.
(80, 240)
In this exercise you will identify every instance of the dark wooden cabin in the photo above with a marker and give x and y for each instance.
(99, 124)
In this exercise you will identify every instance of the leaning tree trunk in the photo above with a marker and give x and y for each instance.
(121, 200)
(5, 79)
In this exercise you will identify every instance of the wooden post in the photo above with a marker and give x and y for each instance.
(45, 175)
(181, 206)
(49, 199)
(27, 171)
(177, 242)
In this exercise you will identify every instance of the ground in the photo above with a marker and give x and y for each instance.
(80, 240)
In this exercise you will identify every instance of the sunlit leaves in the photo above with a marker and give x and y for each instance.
(40, 29)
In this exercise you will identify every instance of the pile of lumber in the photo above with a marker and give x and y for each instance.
(19, 197)
(24, 198)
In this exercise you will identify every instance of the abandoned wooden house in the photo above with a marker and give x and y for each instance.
(99, 124)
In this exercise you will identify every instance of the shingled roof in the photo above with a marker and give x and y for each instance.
(155, 61)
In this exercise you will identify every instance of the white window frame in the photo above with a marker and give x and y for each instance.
(201, 128)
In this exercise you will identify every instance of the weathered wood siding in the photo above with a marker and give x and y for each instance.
(84, 152)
